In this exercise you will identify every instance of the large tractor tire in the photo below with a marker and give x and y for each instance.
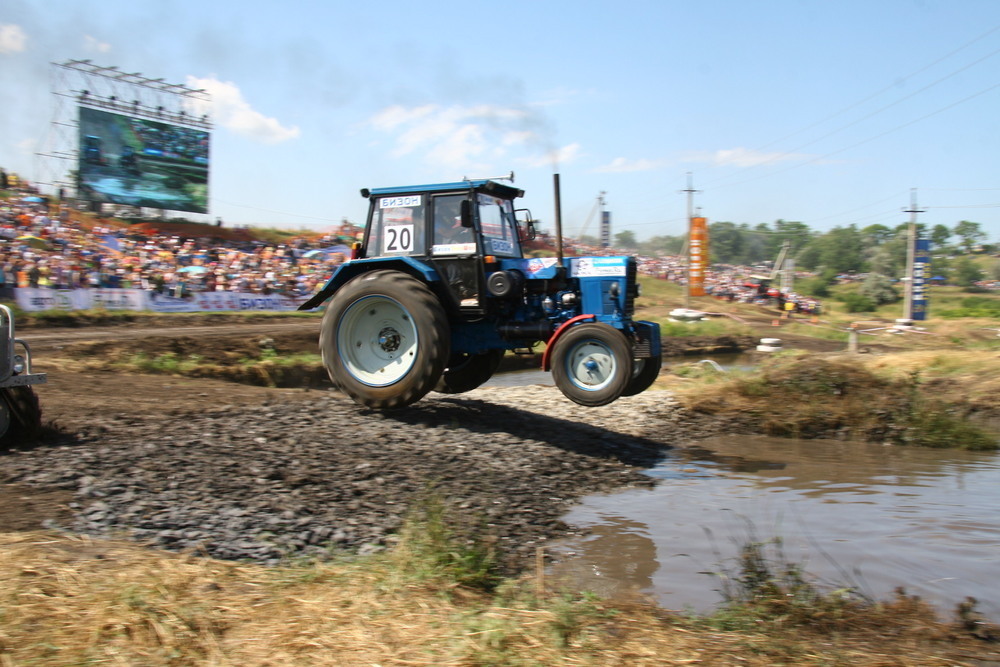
(465, 372)
(385, 339)
(20, 415)
(592, 364)
(644, 373)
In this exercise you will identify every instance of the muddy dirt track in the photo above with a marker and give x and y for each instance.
(251, 472)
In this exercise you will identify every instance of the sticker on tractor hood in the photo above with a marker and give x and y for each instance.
(538, 264)
(588, 267)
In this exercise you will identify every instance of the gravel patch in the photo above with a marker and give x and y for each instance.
(290, 478)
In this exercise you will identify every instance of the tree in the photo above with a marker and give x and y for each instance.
(808, 258)
(796, 232)
(970, 233)
(726, 242)
(842, 249)
(940, 235)
(995, 270)
(889, 259)
(877, 234)
(966, 273)
(878, 288)
(626, 239)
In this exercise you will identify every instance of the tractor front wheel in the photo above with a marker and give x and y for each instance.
(384, 339)
(592, 364)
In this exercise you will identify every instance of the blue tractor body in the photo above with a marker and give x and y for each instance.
(454, 250)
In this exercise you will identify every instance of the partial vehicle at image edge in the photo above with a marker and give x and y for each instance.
(439, 290)
(20, 412)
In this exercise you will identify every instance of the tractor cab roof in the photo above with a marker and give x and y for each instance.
(485, 186)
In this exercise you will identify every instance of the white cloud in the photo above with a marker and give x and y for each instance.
(93, 44)
(459, 138)
(12, 38)
(231, 111)
(26, 146)
(741, 157)
(622, 165)
(555, 157)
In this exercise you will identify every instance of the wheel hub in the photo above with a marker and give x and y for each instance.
(389, 339)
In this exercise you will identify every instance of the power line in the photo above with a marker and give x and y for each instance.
(792, 151)
(267, 210)
(870, 139)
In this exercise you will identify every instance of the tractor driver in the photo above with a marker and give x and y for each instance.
(448, 229)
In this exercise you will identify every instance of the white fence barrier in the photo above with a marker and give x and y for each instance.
(43, 298)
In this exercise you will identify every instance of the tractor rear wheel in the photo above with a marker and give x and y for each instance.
(644, 373)
(465, 372)
(384, 339)
(592, 364)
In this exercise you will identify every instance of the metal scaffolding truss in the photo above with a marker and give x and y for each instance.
(77, 83)
(109, 88)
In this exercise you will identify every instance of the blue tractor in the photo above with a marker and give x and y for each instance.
(439, 291)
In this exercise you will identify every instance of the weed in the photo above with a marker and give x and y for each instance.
(430, 548)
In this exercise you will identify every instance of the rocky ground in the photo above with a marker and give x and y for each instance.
(243, 472)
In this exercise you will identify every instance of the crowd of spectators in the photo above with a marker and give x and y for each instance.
(743, 284)
(50, 246)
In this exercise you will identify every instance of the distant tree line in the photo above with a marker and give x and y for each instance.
(875, 250)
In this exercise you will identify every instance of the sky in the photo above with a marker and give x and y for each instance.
(827, 113)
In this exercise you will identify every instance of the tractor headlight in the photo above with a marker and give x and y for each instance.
(18, 364)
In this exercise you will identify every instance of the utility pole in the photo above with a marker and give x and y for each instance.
(911, 248)
(687, 240)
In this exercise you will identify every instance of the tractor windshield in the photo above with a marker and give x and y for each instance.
(499, 226)
(397, 226)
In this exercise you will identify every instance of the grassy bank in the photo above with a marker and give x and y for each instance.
(930, 399)
(433, 600)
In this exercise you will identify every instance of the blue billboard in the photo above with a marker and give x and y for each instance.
(921, 265)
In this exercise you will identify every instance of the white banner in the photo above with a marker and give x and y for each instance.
(34, 299)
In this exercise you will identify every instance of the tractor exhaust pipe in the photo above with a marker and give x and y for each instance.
(559, 236)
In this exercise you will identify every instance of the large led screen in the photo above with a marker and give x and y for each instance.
(140, 162)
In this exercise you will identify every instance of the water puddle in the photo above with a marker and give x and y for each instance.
(868, 516)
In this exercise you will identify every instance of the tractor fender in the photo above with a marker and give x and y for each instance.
(550, 343)
(350, 270)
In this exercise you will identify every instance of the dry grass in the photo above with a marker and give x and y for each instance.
(74, 601)
(914, 397)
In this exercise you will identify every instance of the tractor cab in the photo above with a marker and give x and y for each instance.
(456, 228)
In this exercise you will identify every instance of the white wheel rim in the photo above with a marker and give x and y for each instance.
(591, 366)
(377, 340)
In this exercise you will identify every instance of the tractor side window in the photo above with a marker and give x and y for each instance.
(450, 237)
(397, 226)
(499, 227)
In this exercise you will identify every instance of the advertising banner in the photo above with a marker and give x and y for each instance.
(606, 229)
(921, 264)
(32, 299)
(35, 299)
(697, 256)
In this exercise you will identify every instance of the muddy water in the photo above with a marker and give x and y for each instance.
(867, 516)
